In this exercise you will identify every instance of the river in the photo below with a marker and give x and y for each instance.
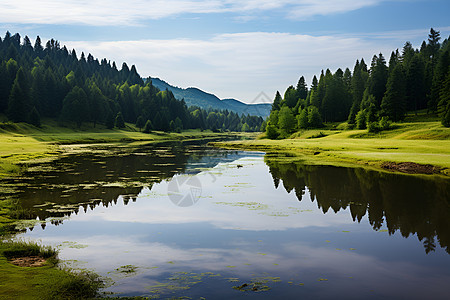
(187, 220)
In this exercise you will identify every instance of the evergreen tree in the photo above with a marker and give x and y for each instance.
(75, 107)
(444, 102)
(245, 128)
(337, 101)
(378, 78)
(290, 97)
(35, 118)
(119, 122)
(148, 127)
(433, 44)
(357, 87)
(314, 84)
(271, 131)
(178, 124)
(394, 103)
(302, 90)
(286, 121)
(415, 84)
(302, 119)
(314, 118)
(361, 120)
(277, 102)
(109, 121)
(38, 49)
(19, 99)
(407, 54)
(318, 94)
(140, 123)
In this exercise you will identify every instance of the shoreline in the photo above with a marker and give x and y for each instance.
(430, 158)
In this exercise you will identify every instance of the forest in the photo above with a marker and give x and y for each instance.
(50, 81)
(369, 97)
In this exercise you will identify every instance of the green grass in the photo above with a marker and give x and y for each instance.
(22, 248)
(46, 282)
(418, 142)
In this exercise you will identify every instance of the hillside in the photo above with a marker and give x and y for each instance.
(196, 97)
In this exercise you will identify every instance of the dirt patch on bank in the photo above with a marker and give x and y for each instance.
(411, 168)
(29, 261)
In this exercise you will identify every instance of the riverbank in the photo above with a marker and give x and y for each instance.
(419, 143)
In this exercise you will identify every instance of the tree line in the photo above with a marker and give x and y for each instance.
(50, 81)
(369, 97)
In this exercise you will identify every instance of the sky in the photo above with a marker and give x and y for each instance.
(242, 49)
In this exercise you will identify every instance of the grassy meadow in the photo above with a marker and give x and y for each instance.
(421, 142)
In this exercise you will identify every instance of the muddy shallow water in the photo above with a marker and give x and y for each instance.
(179, 220)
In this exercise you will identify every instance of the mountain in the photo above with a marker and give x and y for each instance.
(196, 97)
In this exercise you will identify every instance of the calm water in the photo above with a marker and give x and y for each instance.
(186, 220)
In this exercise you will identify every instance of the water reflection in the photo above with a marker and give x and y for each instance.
(316, 243)
(409, 204)
(103, 174)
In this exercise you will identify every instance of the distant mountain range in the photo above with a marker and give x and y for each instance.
(197, 97)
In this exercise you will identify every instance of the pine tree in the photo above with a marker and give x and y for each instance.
(394, 103)
(314, 83)
(148, 127)
(75, 107)
(444, 102)
(357, 84)
(433, 44)
(140, 123)
(178, 125)
(415, 84)
(271, 131)
(302, 90)
(361, 120)
(378, 78)
(286, 121)
(277, 102)
(35, 118)
(38, 49)
(245, 128)
(109, 120)
(314, 118)
(119, 122)
(19, 98)
(302, 119)
(290, 97)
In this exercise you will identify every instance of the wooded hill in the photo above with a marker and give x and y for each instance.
(414, 79)
(52, 82)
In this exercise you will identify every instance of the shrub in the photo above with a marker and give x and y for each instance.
(384, 123)
(361, 120)
(373, 127)
(148, 127)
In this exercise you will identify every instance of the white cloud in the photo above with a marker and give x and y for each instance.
(310, 8)
(238, 65)
(133, 12)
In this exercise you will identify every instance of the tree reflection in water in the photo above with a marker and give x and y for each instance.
(408, 204)
(103, 175)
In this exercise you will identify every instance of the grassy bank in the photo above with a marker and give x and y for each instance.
(417, 142)
(19, 281)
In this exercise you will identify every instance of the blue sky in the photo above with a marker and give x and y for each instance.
(232, 48)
